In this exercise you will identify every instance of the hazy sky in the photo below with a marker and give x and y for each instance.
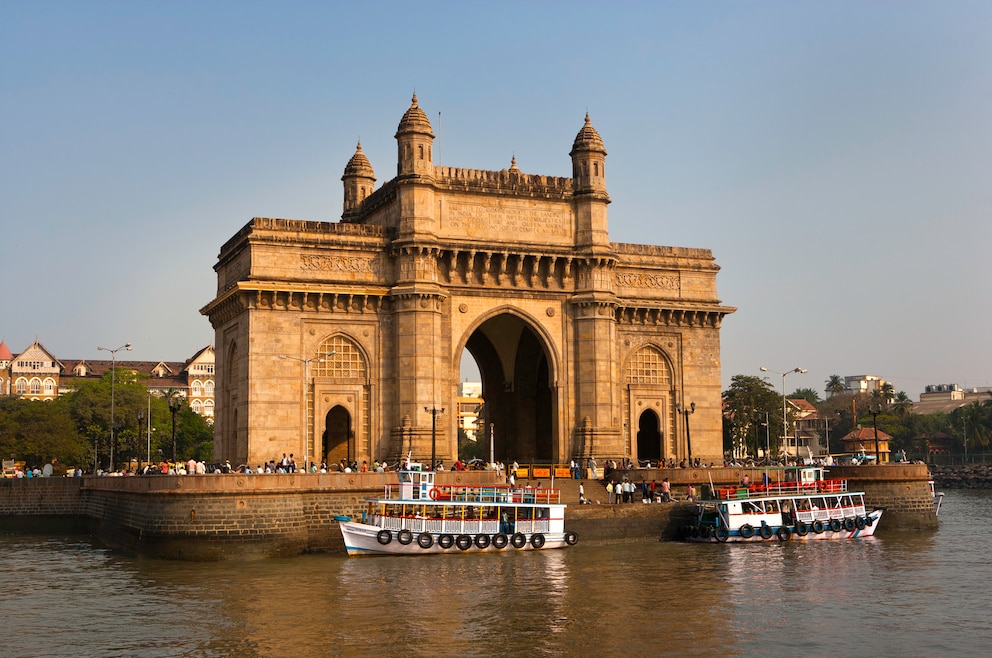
(835, 156)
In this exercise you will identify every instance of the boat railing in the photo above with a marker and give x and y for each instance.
(809, 516)
(489, 494)
(457, 526)
(780, 488)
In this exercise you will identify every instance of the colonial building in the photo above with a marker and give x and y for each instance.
(341, 340)
(35, 374)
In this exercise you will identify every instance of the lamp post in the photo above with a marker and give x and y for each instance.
(137, 437)
(874, 411)
(306, 398)
(685, 412)
(175, 404)
(148, 447)
(768, 439)
(785, 427)
(433, 411)
(113, 382)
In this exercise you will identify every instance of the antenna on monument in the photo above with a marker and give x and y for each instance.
(439, 142)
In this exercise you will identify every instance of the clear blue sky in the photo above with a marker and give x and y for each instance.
(835, 156)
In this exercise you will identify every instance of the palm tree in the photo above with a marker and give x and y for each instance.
(903, 405)
(888, 392)
(835, 384)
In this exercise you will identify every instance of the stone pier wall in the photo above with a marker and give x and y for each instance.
(211, 517)
(217, 517)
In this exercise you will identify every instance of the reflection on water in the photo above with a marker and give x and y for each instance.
(912, 593)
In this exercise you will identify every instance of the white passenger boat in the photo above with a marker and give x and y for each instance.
(419, 517)
(789, 503)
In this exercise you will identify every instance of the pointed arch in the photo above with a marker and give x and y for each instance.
(648, 377)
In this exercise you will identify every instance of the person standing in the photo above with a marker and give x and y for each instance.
(582, 492)
(592, 468)
(609, 492)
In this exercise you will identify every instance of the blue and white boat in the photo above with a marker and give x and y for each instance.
(419, 517)
(789, 503)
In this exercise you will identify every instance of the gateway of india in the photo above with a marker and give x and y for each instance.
(343, 340)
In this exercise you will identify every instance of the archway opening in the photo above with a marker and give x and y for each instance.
(337, 437)
(517, 418)
(649, 436)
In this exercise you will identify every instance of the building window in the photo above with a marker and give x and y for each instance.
(35, 386)
(21, 387)
(197, 388)
(648, 366)
(346, 362)
(49, 386)
(208, 388)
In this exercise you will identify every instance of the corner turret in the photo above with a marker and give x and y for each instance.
(589, 185)
(359, 180)
(415, 140)
(589, 162)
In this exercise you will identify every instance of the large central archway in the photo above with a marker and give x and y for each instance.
(518, 389)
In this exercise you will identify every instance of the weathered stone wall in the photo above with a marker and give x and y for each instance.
(41, 497)
(218, 517)
(210, 517)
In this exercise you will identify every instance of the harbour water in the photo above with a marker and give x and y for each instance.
(907, 594)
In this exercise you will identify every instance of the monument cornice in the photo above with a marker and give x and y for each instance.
(629, 312)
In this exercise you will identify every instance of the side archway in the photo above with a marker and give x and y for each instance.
(648, 404)
(339, 403)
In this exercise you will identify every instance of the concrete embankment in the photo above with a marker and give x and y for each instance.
(217, 517)
(968, 476)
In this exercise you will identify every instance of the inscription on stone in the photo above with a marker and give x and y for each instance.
(508, 221)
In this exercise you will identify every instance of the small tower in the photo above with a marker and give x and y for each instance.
(589, 162)
(589, 186)
(415, 141)
(359, 181)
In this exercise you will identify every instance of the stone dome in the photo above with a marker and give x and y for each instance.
(588, 139)
(414, 120)
(359, 165)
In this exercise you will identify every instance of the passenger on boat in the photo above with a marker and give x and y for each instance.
(745, 481)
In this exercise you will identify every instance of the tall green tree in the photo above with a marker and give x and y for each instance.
(811, 395)
(745, 404)
(835, 385)
(902, 405)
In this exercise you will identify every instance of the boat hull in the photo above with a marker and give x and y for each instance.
(362, 539)
(711, 534)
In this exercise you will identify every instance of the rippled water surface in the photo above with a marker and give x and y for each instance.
(913, 594)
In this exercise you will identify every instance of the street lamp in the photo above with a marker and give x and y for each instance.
(113, 381)
(433, 411)
(874, 411)
(306, 398)
(148, 447)
(785, 428)
(175, 404)
(685, 412)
